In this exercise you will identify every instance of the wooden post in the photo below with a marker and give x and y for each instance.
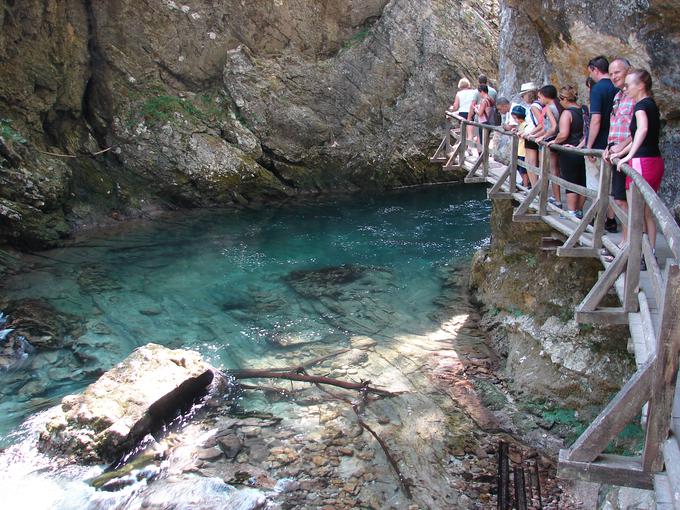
(513, 164)
(486, 137)
(602, 203)
(545, 181)
(503, 477)
(447, 136)
(463, 143)
(636, 210)
(663, 386)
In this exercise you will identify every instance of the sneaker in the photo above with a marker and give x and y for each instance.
(553, 201)
(569, 214)
(611, 226)
(579, 214)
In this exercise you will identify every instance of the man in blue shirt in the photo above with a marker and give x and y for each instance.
(601, 102)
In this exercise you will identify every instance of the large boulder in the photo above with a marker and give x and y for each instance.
(133, 398)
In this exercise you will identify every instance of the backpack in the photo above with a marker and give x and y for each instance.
(493, 115)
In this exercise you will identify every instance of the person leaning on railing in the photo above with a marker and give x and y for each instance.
(529, 95)
(462, 104)
(571, 132)
(550, 114)
(601, 103)
(643, 151)
(619, 131)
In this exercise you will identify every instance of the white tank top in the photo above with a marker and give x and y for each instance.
(465, 98)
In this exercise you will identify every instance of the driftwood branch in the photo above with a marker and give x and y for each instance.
(404, 482)
(300, 375)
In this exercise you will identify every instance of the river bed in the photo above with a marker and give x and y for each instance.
(373, 281)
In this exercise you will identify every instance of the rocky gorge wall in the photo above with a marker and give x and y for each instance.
(552, 42)
(205, 103)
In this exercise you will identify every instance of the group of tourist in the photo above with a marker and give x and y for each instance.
(623, 120)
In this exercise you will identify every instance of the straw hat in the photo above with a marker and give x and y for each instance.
(527, 87)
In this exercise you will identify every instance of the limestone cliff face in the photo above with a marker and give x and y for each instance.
(553, 41)
(210, 103)
(529, 298)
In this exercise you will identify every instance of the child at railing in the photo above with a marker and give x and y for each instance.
(518, 114)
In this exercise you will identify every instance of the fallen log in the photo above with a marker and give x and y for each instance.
(257, 373)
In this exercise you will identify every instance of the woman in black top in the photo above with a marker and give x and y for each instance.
(643, 151)
(572, 166)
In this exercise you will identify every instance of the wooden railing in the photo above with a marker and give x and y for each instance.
(649, 305)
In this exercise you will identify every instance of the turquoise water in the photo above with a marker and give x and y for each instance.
(236, 285)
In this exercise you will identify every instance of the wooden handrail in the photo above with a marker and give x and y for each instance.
(667, 225)
(653, 384)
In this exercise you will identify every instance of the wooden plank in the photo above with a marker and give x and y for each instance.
(499, 183)
(605, 283)
(671, 455)
(606, 316)
(662, 492)
(603, 202)
(636, 207)
(608, 469)
(581, 228)
(474, 168)
(451, 163)
(653, 269)
(531, 196)
(544, 181)
(649, 335)
(581, 190)
(463, 144)
(675, 414)
(486, 137)
(616, 414)
(667, 349)
(619, 212)
(513, 164)
(436, 158)
(577, 252)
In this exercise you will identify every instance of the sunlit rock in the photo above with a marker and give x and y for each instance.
(149, 387)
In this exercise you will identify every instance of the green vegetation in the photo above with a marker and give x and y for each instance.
(357, 38)
(154, 107)
(10, 134)
(630, 440)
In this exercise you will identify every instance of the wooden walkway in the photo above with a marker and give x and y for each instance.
(649, 302)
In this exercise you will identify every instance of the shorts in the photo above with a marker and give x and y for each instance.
(521, 169)
(618, 184)
(651, 169)
(463, 114)
(572, 169)
(528, 144)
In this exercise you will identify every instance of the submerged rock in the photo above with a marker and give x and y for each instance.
(127, 402)
(42, 325)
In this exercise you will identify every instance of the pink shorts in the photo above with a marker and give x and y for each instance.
(651, 170)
